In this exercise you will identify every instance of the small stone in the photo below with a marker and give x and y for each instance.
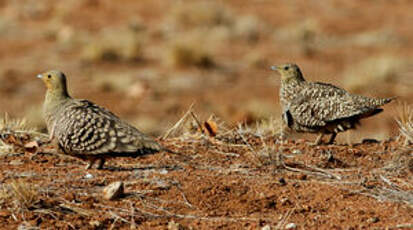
(163, 171)
(374, 220)
(95, 224)
(285, 201)
(291, 226)
(88, 176)
(174, 226)
(113, 190)
(266, 227)
(296, 151)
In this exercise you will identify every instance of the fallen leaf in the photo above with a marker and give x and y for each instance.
(211, 128)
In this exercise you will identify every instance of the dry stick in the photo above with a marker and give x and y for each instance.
(118, 217)
(113, 224)
(388, 182)
(78, 210)
(284, 219)
(321, 173)
(197, 122)
(133, 223)
(178, 124)
(184, 197)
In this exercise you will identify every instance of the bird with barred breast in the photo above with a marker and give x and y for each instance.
(315, 107)
(87, 131)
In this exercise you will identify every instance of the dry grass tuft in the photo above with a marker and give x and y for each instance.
(18, 128)
(271, 127)
(22, 194)
(7, 123)
(115, 45)
(405, 122)
(305, 37)
(6, 126)
(216, 22)
(190, 49)
(199, 14)
(382, 37)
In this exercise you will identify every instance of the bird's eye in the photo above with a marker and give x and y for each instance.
(49, 76)
(286, 68)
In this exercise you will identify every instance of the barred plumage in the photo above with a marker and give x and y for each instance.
(316, 107)
(85, 130)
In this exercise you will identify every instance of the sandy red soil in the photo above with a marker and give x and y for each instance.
(216, 183)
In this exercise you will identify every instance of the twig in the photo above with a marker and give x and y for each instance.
(284, 219)
(78, 210)
(197, 122)
(388, 182)
(184, 197)
(178, 124)
(118, 217)
(321, 173)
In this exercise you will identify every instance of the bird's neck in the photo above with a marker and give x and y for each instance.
(54, 98)
(292, 81)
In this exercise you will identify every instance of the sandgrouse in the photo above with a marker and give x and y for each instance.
(316, 107)
(86, 130)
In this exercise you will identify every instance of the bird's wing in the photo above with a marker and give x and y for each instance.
(319, 111)
(315, 90)
(85, 128)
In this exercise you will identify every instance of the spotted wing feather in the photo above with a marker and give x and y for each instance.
(319, 104)
(87, 129)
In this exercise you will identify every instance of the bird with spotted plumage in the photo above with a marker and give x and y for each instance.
(85, 130)
(315, 107)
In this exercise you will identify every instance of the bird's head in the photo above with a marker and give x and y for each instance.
(289, 72)
(55, 81)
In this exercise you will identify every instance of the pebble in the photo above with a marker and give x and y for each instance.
(174, 226)
(374, 220)
(113, 190)
(163, 171)
(88, 176)
(266, 227)
(291, 226)
(296, 151)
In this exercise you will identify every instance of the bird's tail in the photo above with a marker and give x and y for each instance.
(384, 101)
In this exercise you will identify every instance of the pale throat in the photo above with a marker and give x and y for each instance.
(55, 97)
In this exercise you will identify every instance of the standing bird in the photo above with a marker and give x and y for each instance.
(86, 130)
(315, 107)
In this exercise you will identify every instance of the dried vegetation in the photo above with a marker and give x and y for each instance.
(229, 160)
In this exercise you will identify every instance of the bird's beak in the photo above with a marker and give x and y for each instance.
(274, 67)
(40, 76)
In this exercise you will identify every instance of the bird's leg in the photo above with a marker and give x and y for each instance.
(91, 162)
(101, 162)
(51, 135)
(318, 140)
(333, 136)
